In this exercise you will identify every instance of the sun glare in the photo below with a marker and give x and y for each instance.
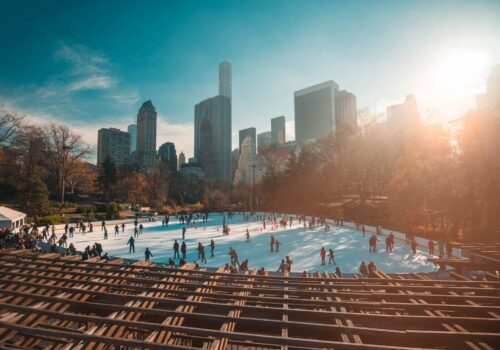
(454, 80)
(461, 73)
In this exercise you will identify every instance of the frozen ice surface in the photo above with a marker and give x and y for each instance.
(301, 244)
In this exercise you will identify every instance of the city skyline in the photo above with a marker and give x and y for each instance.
(92, 82)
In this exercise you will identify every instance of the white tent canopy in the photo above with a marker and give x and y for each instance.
(11, 219)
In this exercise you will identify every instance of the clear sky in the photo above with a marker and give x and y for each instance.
(91, 64)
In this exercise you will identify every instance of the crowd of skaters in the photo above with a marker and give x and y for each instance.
(28, 237)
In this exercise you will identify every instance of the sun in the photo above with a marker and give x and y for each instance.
(460, 73)
(453, 80)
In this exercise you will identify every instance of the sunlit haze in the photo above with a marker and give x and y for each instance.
(71, 63)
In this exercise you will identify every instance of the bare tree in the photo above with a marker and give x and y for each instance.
(65, 150)
(10, 122)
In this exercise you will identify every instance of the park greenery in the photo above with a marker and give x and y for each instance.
(437, 181)
(433, 180)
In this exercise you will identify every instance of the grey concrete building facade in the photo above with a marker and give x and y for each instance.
(132, 130)
(115, 144)
(146, 136)
(212, 137)
(225, 79)
(168, 155)
(346, 112)
(182, 160)
(403, 115)
(315, 111)
(263, 141)
(278, 133)
(251, 134)
(212, 129)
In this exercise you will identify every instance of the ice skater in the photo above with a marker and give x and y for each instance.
(331, 257)
(183, 249)
(373, 244)
(322, 254)
(147, 254)
(131, 244)
(176, 249)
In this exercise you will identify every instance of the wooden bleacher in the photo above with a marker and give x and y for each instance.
(479, 257)
(53, 302)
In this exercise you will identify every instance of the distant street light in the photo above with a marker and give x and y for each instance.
(65, 150)
(253, 187)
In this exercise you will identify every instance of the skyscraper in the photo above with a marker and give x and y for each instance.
(115, 144)
(315, 111)
(263, 141)
(246, 170)
(146, 136)
(491, 98)
(225, 78)
(212, 129)
(182, 160)
(168, 155)
(346, 113)
(132, 130)
(278, 134)
(404, 115)
(249, 133)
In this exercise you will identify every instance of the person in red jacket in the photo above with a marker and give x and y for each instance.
(322, 253)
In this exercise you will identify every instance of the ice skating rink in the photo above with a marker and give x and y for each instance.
(301, 244)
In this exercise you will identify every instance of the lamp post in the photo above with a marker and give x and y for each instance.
(65, 150)
(253, 187)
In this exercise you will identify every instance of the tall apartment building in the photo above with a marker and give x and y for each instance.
(315, 111)
(346, 112)
(264, 141)
(403, 115)
(182, 160)
(490, 100)
(278, 134)
(225, 79)
(168, 155)
(249, 133)
(115, 144)
(212, 129)
(146, 136)
(132, 130)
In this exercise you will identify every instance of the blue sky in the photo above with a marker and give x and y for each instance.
(91, 64)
